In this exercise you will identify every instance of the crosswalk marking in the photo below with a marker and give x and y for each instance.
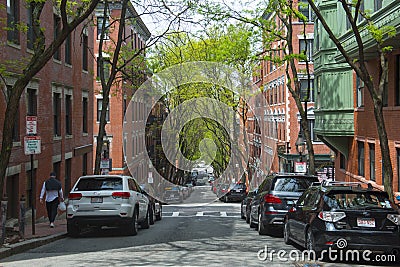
(225, 214)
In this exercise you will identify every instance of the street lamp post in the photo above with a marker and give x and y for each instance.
(332, 159)
(300, 148)
(300, 145)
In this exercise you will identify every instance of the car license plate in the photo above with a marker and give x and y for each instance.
(96, 200)
(366, 222)
(238, 190)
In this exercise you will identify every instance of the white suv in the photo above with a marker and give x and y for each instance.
(107, 200)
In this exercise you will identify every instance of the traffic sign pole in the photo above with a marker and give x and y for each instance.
(32, 146)
(32, 197)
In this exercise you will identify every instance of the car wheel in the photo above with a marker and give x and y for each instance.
(72, 230)
(146, 223)
(247, 217)
(286, 234)
(159, 215)
(242, 213)
(133, 225)
(262, 229)
(251, 222)
(151, 214)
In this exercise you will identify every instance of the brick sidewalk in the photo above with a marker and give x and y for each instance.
(44, 229)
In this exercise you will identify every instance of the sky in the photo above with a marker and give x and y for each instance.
(156, 17)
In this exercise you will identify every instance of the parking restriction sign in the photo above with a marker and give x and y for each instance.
(32, 145)
(31, 125)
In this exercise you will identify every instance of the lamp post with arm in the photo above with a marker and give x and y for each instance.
(300, 146)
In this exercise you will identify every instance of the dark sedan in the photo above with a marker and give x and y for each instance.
(344, 217)
(235, 192)
(245, 205)
(173, 194)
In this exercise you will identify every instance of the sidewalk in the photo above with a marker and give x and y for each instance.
(44, 234)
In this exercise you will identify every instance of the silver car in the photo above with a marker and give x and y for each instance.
(107, 200)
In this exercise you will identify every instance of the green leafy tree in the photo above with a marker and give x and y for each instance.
(267, 34)
(230, 45)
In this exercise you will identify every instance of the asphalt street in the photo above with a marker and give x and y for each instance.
(202, 231)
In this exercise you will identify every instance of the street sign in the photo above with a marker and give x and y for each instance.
(32, 145)
(31, 125)
(300, 167)
(105, 164)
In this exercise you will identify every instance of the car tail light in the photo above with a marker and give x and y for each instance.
(74, 196)
(271, 212)
(292, 209)
(394, 218)
(123, 195)
(331, 216)
(272, 199)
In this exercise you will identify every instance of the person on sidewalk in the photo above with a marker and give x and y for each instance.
(52, 188)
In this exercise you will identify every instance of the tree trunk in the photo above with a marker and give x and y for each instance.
(385, 151)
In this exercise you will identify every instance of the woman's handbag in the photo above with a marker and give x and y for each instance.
(62, 207)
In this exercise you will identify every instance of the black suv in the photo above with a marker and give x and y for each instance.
(276, 195)
(345, 216)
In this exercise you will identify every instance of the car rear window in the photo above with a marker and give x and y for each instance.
(356, 200)
(239, 186)
(99, 183)
(293, 184)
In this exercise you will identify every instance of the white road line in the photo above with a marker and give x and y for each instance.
(175, 214)
(200, 213)
(210, 204)
(194, 216)
(223, 214)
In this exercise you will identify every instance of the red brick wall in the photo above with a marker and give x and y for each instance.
(66, 77)
(114, 127)
(365, 128)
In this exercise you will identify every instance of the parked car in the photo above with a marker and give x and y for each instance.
(215, 186)
(107, 200)
(235, 192)
(276, 195)
(155, 213)
(173, 194)
(222, 189)
(201, 178)
(245, 205)
(361, 218)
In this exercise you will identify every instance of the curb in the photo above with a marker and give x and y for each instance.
(29, 244)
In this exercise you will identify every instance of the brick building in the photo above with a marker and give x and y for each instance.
(274, 140)
(61, 96)
(345, 116)
(116, 142)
